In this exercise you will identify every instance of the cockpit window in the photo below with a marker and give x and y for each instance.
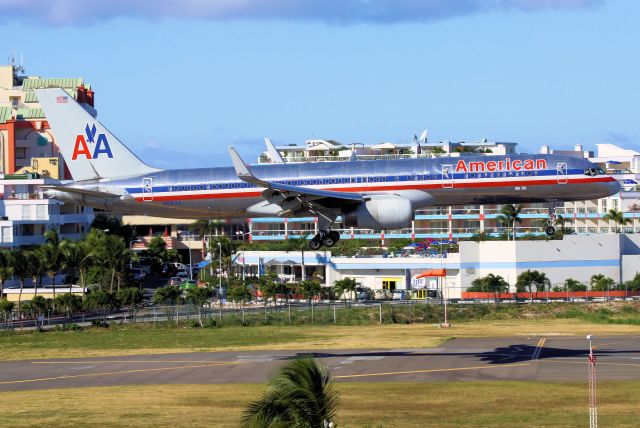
(590, 171)
(601, 171)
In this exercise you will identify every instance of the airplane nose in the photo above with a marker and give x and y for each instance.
(614, 187)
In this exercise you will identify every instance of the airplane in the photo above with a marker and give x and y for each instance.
(376, 194)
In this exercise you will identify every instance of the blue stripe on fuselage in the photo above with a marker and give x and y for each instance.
(237, 184)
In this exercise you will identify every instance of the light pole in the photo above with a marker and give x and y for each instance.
(593, 409)
(241, 232)
(220, 272)
(190, 262)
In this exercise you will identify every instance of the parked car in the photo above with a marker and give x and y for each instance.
(182, 275)
(178, 266)
(138, 274)
(398, 295)
(176, 280)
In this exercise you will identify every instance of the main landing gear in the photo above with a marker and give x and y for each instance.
(328, 238)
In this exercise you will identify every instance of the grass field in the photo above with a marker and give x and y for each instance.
(463, 404)
(145, 339)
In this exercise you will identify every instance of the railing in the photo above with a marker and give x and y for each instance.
(433, 211)
(22, 196)
(334, 158)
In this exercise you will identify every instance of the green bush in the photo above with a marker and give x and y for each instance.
(193, 324)
(100, 323)
(210, 323)
(67, 327)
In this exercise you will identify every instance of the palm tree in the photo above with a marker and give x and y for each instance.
(600, 282)
(198, 297)
(115, 254)
(310, 288)
(76, 256)
(36, 268)
(20, 270)
(6, 269)
(561, 222)
(345, 287)
(96, 242)
(300, 244)
(617, 217)
(205, 228)
(52, 257)
(302, 394)
(510, 215)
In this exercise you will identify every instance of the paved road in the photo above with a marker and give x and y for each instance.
(534, 358)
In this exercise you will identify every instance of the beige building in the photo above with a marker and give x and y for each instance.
(30, 159)
(24, 131)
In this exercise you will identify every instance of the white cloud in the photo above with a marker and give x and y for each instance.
(83, 12)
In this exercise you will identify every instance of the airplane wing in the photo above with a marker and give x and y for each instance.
(295, 199)
(273, 153)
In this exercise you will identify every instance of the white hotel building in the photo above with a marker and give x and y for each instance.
(616, 256)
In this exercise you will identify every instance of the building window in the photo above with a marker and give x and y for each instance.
(388, 284)
(15, 102)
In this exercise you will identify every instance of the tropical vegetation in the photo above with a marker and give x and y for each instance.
(302, 394)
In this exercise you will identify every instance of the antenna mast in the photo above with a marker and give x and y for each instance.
(16, 68)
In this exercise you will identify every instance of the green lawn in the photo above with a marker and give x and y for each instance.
(457, 404)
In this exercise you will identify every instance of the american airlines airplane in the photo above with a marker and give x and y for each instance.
(381, 194)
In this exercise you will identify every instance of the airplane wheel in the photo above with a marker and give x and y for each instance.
(335, 236)
(315, 244)
(328, 240)
(550, 230)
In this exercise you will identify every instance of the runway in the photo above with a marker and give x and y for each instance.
(527, 358)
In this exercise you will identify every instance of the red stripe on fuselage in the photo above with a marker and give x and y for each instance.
(456, 185)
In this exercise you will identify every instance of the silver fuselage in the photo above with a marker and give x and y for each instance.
(219, 193)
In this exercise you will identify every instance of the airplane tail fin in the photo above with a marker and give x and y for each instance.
(88, 148)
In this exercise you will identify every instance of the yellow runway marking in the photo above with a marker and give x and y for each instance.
(107, 373)
(432, 370)
(137, 361)
(538, 350)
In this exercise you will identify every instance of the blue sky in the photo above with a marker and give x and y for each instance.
(181, 82)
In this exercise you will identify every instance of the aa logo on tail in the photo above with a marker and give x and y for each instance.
(101, 144)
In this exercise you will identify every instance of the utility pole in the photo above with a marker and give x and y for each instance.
(593, 410)
(220, 275)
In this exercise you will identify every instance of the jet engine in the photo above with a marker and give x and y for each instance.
(380, 212)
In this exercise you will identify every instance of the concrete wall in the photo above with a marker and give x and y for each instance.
(577, 257)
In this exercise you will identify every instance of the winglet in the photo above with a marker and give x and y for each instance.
(273, 153)
(242, 170)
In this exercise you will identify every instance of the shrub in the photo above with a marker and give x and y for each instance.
(67, 327)
(209, 323)
(99, 323)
